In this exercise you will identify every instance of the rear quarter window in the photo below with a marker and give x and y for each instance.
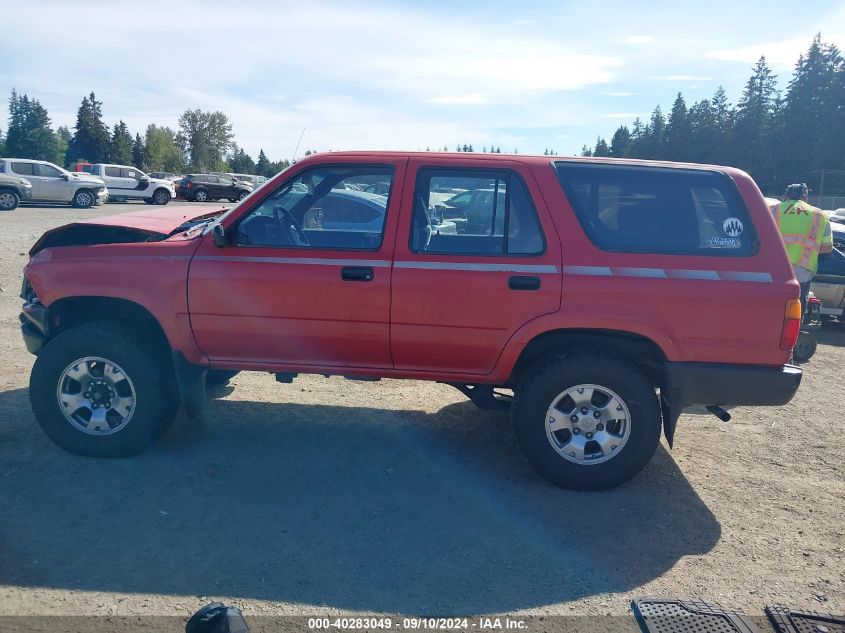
(633, 209)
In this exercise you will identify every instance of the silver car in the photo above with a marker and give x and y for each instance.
(51, 183)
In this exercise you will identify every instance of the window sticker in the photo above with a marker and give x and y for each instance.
(725, 242)
(732, 227)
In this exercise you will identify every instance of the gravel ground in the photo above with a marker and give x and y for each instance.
(330, 496)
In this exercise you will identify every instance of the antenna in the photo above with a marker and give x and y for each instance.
(293, 159)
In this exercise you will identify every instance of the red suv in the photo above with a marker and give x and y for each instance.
(607, 295)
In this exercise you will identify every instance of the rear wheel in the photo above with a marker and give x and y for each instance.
(586, 422)
(9, 200)
(83, 199)
(97, 390)
(161, 196)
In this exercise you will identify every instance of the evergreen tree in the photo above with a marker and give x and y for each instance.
(30, 134)
(752, 137)
(678, 142)
(91, 141)
(120, 148)
(620, 144)
(586, 151)
(637, 141)
(138, 152)
(262, 167)
(2, 144)
(63, 137)
(601, 148)
(704, 138)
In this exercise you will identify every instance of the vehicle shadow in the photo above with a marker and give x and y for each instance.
(832, 334)
(354, 508)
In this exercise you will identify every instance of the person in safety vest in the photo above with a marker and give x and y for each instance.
(806, 233)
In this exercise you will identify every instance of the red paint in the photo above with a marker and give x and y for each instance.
(455, 325)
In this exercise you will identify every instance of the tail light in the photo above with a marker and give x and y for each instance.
(791, 324)
(189, 185)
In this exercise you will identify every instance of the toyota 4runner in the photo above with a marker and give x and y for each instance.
(596, 299)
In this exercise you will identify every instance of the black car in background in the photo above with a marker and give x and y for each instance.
(205, 187)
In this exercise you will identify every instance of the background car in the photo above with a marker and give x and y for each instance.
(255, 181)
(12, 190)
(205, 187)
(51, 183)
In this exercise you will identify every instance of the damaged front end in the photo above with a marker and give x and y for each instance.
(84, 234)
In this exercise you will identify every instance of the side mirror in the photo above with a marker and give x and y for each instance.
(218, 234)
(65, 177)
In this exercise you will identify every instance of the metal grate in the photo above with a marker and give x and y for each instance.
(664, 615)
(787, 620)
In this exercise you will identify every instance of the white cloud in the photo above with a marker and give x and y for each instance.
(682, 78)
(471, 98)
(618, 94)
(637, 39)
(783, 52)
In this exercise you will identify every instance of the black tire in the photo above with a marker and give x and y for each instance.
(148, 201)
(242, 195)
(9, 199)
(84, 199)
(161, 197)
(232, 200)
(805, 347)
(540, 387)
(219, 377)
(156, 396)
(201, 195)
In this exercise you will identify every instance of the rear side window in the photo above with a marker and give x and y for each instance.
(474, 212)
(24, 169)
(632, 209)
(113, 172)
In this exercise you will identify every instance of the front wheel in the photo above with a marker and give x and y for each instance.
(201, 196)
(243, 195)
(161, 197)
(586, 422)
(83, 199)
(96, 390)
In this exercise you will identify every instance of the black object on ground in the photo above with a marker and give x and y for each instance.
(665, 615)
(216, 617)
(788, 620)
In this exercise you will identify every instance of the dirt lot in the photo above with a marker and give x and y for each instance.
(330, 496)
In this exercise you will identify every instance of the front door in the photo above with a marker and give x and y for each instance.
(476, 258)
(294, 290)
(51, 184)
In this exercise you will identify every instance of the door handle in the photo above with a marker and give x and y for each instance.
(356, 273)
(524, 283)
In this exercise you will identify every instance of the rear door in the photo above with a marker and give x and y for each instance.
(465, 279)
(292, 291)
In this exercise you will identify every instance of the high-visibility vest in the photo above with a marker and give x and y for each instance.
(802, 227)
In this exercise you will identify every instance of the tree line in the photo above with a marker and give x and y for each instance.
(203, 142)
(777, 137)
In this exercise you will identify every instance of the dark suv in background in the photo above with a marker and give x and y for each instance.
(205, 187)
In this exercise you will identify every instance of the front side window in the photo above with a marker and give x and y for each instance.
(469, 212)
(323, 207)
(48, 171)
(24, 169)
(633, 209)
(130, 173)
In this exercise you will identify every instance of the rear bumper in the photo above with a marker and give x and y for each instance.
(736, 385)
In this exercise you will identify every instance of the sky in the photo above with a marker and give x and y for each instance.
(523, 75)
